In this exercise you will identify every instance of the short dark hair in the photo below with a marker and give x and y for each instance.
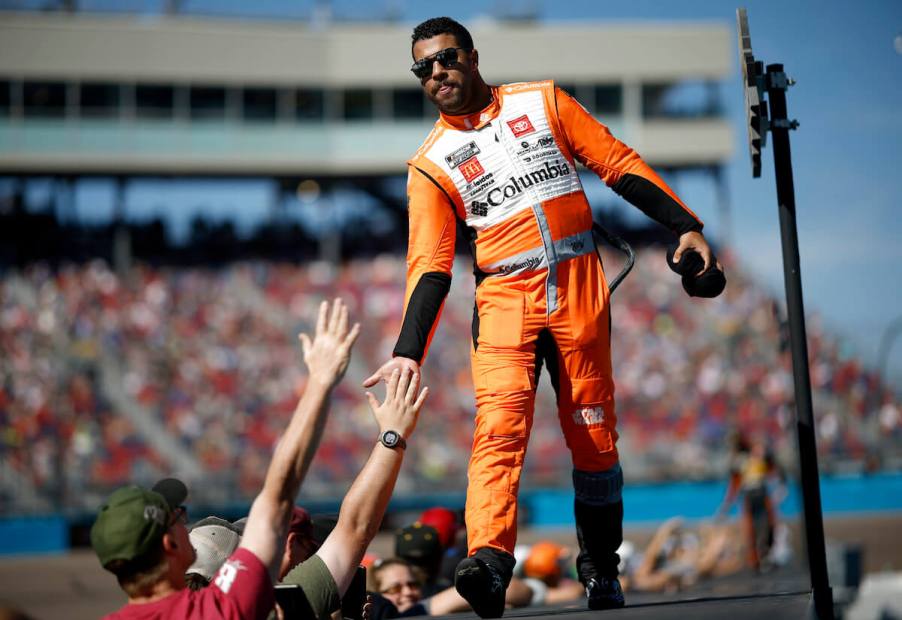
(139, 575)
(442, 25)
(195, 581)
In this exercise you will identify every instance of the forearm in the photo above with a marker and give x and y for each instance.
(422, 315)
(268, 519)
(360, 515)
(364, 505)
(650, 198)
(298, 444)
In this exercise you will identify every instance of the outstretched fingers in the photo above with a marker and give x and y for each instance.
(335, 315)
(306, 344)
(373, 401)
(404, 381)
(343, 319)
(411, 392)
(391, 390)
(373, 379)
(322, 317)
(421, 399)
(351, 338)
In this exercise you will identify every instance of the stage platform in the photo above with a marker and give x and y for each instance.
(784, 606)
(782, 594)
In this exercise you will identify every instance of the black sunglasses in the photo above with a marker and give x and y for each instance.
(447, 58)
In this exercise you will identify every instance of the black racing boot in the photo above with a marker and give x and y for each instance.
(604, 593)
(599, 530)
(482, 579)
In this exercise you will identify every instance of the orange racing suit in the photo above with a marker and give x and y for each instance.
(506, 177)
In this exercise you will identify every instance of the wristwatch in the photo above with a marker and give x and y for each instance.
(391, 439)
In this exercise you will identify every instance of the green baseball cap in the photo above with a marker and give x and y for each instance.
(130, 524)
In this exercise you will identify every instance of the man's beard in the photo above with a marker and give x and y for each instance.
(454, 103)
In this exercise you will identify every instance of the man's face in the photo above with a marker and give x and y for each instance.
(297, 549)
(184, 551)
(449, 88)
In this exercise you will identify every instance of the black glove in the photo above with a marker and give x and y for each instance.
(709, 284)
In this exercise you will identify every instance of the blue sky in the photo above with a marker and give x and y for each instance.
(847, 154)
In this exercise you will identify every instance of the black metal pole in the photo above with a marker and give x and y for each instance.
(811, 494)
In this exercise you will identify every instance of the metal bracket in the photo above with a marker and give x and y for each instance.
(780, 80)
(782, 123)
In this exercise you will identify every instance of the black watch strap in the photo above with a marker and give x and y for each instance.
(392, 439)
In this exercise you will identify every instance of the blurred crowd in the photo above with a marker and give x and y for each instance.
(105, 376)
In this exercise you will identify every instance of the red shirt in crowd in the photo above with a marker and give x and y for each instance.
(241, 590)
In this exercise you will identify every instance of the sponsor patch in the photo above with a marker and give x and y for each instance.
(544, 146)
(521, 126)
(527, 264)
(516, 185)
(486, 180)
(584, 416)
(471, 169)
(513, 88)
(458, 156)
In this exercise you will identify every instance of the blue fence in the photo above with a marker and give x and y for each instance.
(649, 503)
(643, 504)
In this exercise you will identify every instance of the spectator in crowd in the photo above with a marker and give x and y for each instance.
(452, 534)
(140, 535)
(755, 478)
(401, 584)
(398, 591)
(420, 546)
(214, 541)
(300, 543)
(543, 572)
(678, 557)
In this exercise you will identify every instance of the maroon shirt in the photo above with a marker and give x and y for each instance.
(241, 590)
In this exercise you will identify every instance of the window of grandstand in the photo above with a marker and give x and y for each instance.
(692, 99)
(567, 87)
(408, 103)
(154, 101)
(207, 102)
(99, 100)
(45, 99)
(259, 104)
(310, 104)
(5, 97)
(608, 99)
(358, 104)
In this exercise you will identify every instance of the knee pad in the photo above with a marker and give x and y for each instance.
(598, 488)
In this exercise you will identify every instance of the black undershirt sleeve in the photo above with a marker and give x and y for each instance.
(422, 312)
(655, 203)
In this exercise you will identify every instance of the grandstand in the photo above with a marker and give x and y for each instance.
(116, 377)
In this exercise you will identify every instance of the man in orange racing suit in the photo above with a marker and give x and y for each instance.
(500, 165)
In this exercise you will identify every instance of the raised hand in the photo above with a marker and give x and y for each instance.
(401, 407)
(328, 354)
(385, 371)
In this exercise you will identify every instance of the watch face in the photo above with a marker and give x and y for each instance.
(390, 439)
